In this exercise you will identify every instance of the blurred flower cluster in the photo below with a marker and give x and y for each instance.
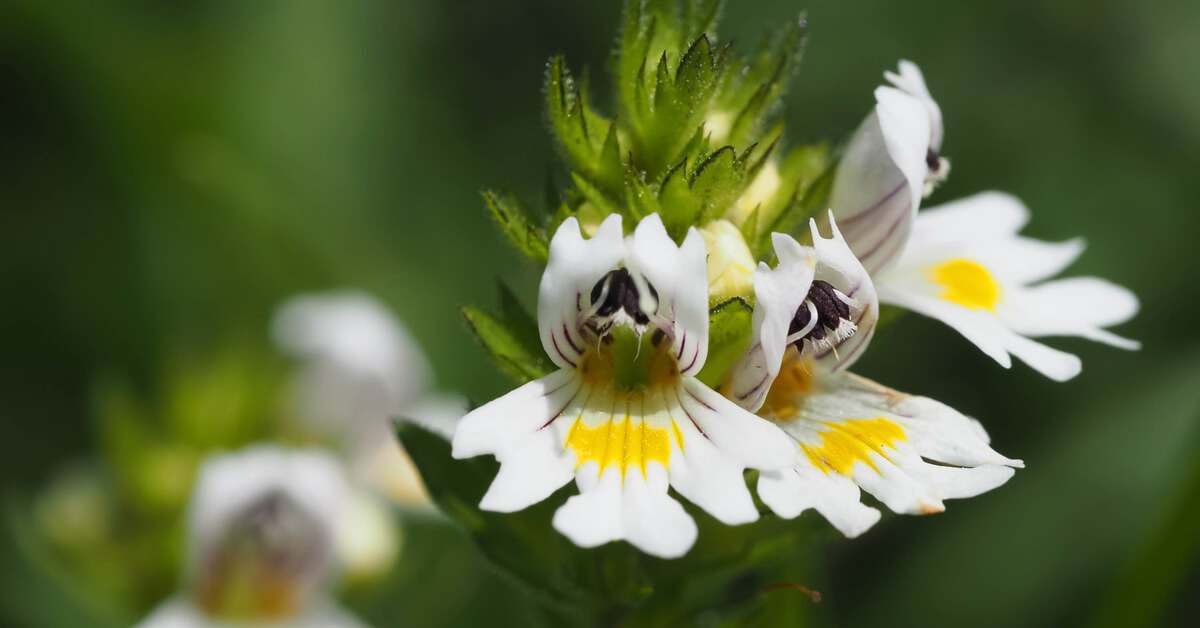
(263, 532)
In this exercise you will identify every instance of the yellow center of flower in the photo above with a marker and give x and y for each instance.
(852, 441)
(624, 422)
(623, 443)
(788, 389)
(967, 283)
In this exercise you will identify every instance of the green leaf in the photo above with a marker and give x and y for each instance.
(703, 194)
(519, 225)
(753, 92)
(730, 325)
(523, 544)
(580, 133)
(807, 180)
(512, 339)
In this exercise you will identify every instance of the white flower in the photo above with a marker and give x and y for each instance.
(262, 524)
(966, 266)
(819, 301)
(361, 369)
(890, 164)
(909, 452)
(626, 320)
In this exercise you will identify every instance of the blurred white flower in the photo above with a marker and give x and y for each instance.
(360, 370)
(261, 542)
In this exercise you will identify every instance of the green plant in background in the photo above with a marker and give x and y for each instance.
(693, 339)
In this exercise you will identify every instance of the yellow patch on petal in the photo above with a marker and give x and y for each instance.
(852, 441)
(623, 443)
(967, 283)
(788, 389)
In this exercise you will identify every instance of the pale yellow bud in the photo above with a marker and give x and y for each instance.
(730, 264)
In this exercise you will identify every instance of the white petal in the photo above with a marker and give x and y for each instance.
(573, 268)
(748, 440)
(911, 80)
(175, 613)
(1020, 260)
(229, 484)
(530, 471)
(1059, 366)
(680, 276)
(1079, 306)
(887, 443)
(707, 476)
(982, 328)
(358, 360)
(879, 181)
(791, 491)
(633, 508)
(983, 216)
(497, 425)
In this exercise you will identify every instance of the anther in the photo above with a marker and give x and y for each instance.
(618, 292)
(824, 311)
(932, 160)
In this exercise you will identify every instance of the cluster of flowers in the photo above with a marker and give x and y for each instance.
(626, 320)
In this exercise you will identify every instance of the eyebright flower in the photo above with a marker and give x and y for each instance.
(626, 320)
(891, 163)
(814, 317)
(966, 265)
(261, 543)
(360, 370)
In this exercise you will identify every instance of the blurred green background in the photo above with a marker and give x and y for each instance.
(171, 171)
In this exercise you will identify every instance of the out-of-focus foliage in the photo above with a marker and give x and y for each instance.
(172, 171)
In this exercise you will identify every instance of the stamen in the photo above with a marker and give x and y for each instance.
(618, 292)
(809, 313)
(932, 160)
(823, 319)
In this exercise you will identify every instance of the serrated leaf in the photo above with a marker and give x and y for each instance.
(518, 224)
(704, 194)
(601, 204)
(579, 132)
(640, 200)
(509, 344)
(753, 93)
(730, 325)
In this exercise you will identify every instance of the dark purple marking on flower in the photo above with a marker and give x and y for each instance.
(849, 220)
(932, 160)
(566, 405)
(622, 294)
(554, 340)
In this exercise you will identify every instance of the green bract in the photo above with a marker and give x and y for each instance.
(693, 135)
